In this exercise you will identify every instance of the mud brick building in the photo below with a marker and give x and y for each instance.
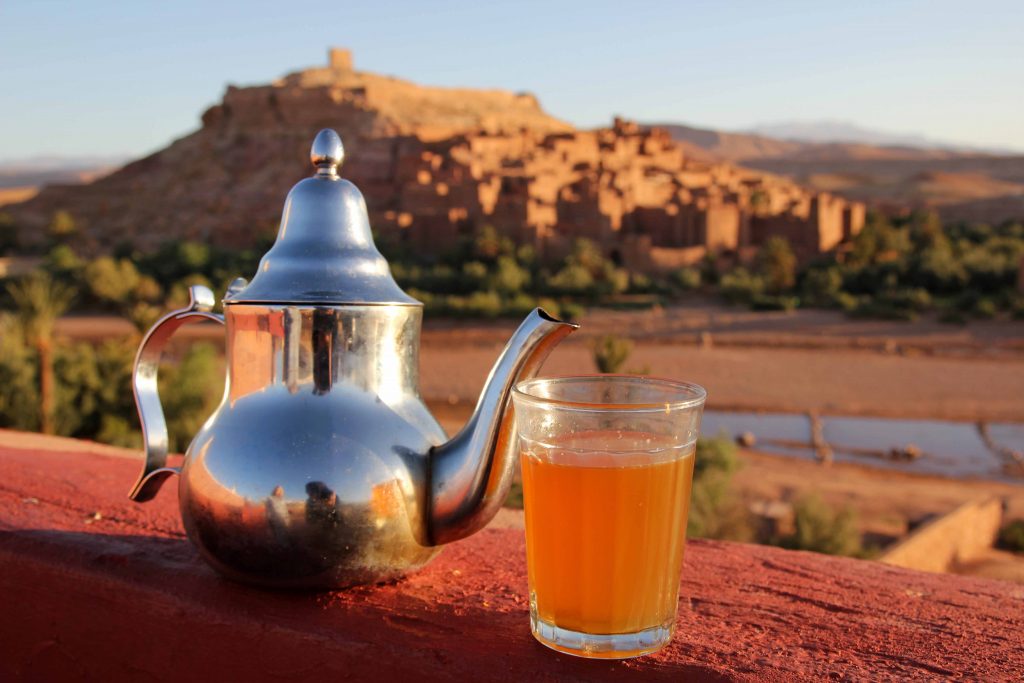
(438, 163)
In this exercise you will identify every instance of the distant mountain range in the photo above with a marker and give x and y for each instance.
(811, 142)
(827, 132)
(885, 170)
(51, 170)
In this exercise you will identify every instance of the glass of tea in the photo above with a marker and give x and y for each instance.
(607, 467)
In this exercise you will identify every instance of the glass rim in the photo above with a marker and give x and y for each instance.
(697, 394)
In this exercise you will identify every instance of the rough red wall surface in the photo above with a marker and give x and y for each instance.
(124, 596)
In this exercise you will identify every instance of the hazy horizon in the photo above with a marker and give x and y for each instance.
(122, 81)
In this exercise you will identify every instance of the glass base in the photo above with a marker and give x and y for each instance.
(601, 646)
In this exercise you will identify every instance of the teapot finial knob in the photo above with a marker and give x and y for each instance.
(327, 153)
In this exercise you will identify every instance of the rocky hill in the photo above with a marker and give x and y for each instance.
(435, 163)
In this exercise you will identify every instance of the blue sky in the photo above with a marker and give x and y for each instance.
(124, 78)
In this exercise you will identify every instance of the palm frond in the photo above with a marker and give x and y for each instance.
(39, 300)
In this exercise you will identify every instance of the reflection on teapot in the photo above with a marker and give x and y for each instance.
(322, 467)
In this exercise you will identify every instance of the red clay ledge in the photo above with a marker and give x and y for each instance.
(122, 595)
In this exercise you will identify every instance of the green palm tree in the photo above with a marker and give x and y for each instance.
(39, 301)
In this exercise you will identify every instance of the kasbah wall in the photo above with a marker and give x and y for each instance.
(628, 189)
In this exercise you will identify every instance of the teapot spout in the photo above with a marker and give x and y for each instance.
(470, 475)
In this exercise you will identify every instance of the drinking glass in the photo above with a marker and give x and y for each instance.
(607, 467)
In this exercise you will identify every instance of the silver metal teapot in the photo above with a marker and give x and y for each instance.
(322, 467)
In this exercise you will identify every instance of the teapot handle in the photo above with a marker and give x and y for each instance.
(147, 397)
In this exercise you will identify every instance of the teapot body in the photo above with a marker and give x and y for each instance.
(312, 472)
(322, 467)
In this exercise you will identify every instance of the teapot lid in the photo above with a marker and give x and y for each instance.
(324, 252)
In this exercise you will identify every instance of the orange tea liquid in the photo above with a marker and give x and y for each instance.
(605, 531)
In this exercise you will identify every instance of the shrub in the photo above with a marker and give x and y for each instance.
(1017, 308)
(63, 263)
(508, 276)
(915, 299)
(821, 287)
(79, 384)
(570, 311)
(477, 304)
(993, 265)
(776, 264)
(819, 528)
(611, 352)
(572, 279)
(938, 269)
(473, 276)
(740, 287)
(112, 281)
(984, 308)
(715, 454)
(967, 300)
(847, 302)
(901, 304)
(640, 284)
(882, 310)
(714, 512)
(764, 302)
(686, 279)
(520, 305)
(1011, 536)
(190, 392)
(62, 224)
(952, 317)
(19, 385)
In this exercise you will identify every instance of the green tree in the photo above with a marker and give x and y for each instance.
(937, 268)
(63, 263)
(190, 392)
(19, 386)
(587, 254)
(819, 528)
(508, 276)
(739, 286)
(489, 244)
(79, 387)
(39, 301)
(926, 230)
(686, 279)
(572, 279)
(474, 273)
(611, 352)
(879, 241)
(62, 224)
(821, 286)
(113, 281)
(776, 264)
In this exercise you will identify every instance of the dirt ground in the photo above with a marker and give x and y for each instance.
(801, 361)
(778, 379)
(781, 362)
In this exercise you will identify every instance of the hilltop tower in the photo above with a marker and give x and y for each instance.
(340, 59)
